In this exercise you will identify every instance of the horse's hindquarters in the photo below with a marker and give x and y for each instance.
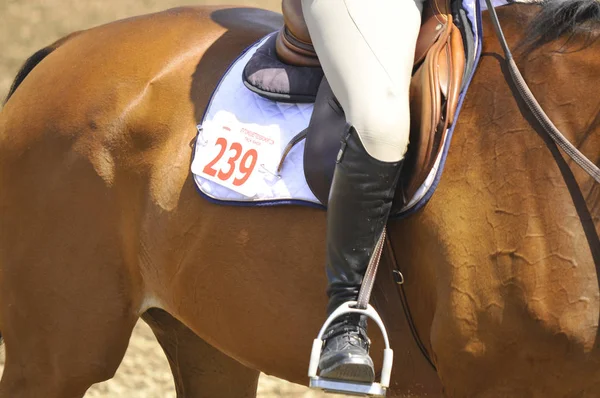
(95, 152)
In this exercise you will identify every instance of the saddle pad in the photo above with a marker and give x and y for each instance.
(233, 103)
(231, 173)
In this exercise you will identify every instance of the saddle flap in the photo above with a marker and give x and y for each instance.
(325, 131)
(458, 65)
(427, 89)
(435, 89)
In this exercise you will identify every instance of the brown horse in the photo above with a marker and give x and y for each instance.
(101, 224)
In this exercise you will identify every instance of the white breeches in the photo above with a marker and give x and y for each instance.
(366, 49)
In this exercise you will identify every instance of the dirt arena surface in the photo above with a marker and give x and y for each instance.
(144, 373)
(25, 27)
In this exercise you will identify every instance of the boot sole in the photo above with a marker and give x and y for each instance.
(351, 369)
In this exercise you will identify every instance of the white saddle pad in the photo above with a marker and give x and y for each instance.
(235, 107)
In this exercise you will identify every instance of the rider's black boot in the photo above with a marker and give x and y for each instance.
(359, 204)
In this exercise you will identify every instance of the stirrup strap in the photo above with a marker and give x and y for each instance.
(366, 287)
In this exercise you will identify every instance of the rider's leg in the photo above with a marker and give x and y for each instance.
(366, 49)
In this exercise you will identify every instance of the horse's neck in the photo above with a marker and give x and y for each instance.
(561, 76)
(510, 210)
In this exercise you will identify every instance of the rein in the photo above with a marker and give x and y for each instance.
(534, 106)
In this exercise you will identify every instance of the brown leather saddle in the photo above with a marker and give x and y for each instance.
(439, 67)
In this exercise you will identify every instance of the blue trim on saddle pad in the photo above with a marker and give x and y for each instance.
(413, 209)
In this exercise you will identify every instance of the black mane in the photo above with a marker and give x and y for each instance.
(564, 17)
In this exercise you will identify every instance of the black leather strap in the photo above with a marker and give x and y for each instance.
(404, 301)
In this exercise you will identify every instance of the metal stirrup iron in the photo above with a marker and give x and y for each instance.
(362, 307)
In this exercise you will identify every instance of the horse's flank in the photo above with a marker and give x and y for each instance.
(100, 217)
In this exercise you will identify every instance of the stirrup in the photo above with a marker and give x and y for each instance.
(344, 386)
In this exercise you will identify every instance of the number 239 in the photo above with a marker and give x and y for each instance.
(246, 164)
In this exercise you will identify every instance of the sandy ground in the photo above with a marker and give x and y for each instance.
(25, 27)
(145, 373)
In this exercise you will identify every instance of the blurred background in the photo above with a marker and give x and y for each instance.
(25, 27)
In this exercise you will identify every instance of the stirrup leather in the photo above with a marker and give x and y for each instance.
(349, 387)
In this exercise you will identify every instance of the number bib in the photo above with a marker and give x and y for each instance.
(237, 155)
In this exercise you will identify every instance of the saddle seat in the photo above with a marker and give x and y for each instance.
(439, 67)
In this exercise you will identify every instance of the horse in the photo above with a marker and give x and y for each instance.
(101, 223)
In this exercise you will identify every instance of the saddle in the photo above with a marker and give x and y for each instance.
(286, 68)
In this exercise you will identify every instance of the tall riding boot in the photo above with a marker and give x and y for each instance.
(359, 204)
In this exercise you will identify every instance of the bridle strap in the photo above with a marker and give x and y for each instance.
(535, 107)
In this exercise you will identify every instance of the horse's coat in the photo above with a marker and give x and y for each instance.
(99, 217)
